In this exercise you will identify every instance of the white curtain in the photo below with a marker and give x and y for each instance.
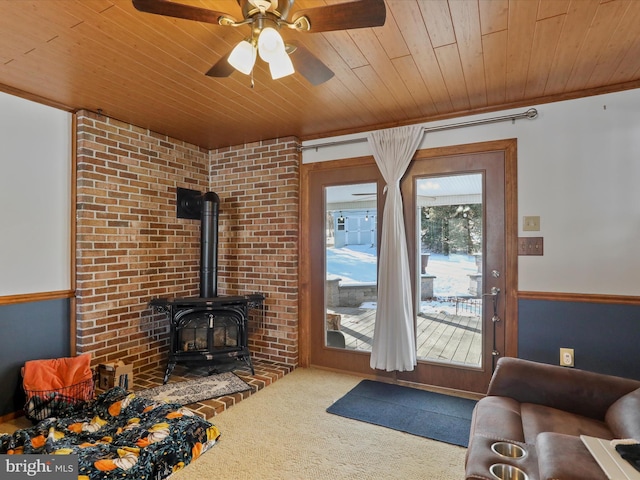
(394, 343)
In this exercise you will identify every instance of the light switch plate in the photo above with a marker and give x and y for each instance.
(531, 224)
(530, 246)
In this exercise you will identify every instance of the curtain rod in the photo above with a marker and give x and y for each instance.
(530, 114)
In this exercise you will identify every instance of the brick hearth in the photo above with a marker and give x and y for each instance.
(266, 374)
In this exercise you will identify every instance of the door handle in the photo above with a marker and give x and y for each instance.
(492, 293)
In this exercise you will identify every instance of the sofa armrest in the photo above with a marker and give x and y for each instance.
(623, 417)
(566, 457)
(578, 391)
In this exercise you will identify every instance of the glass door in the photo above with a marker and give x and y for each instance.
(460, 208)
(351, 265)
(449, 216)
(459, 214)
(340, 241)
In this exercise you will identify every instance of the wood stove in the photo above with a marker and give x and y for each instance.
(209, 329)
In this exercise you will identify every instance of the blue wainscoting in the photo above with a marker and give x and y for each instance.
(29, 331)
(605, 337)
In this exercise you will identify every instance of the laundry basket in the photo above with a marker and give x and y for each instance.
(53, 386)
(41, 404)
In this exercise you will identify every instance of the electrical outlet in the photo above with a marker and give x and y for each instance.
(566, 357)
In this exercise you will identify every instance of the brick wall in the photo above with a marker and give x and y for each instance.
(131, 247)
(258, 185)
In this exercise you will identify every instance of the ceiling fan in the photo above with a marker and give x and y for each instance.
(266, 18)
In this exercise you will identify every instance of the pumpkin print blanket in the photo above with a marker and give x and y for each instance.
(118, 435)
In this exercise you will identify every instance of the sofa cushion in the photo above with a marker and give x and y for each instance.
(497, 417)
(623, 417)
(566, 457)
(539, 418)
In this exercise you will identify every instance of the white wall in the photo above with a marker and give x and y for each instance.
(579, 170)
(35, 197)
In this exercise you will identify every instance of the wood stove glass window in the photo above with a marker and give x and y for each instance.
(225, 332)
(193, 335)
(208, 331)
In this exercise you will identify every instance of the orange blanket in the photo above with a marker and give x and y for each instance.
(56, 373)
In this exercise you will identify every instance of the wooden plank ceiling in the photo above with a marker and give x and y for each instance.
(432, 59)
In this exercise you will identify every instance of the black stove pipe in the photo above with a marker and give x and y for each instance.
(209, 245)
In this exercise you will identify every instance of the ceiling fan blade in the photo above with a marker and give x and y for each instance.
(179, 10)
(310, 66)
(222, 68)
(344, 16)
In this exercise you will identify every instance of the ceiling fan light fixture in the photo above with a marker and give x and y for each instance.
(243, 57)
(266, 40)
(270, 44)
(281, 66)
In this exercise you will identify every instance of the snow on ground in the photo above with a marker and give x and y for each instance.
(354, 264)
(357, 264)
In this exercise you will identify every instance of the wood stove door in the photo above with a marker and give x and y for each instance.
(209, 335)
(225, 331)
(209, 331)
(192, 332)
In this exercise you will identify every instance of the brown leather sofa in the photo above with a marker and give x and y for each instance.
(544, 409)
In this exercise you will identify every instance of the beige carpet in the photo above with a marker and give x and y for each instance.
(284, 433)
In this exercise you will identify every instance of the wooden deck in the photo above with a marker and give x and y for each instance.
(440, 337)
